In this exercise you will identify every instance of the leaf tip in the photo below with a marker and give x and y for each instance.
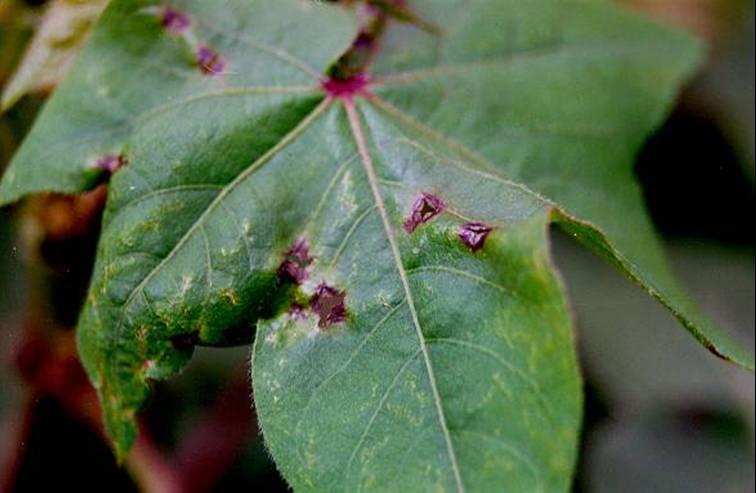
(120, 427)
(731, 355)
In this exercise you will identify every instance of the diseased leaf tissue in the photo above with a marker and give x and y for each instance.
(369, 187)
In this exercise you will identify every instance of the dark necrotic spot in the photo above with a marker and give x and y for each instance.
(186, 342)
(329, 304)
(209, 61)
(425, 208)
(296, 261)
(474, 235)
(174, 20)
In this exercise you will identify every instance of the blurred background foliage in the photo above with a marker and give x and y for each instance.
(661, 415)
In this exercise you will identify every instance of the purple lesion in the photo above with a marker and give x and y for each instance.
(329, 303)
(348, 76)
(297, 312)
(210, 61)
(346, 88)
(474, 235)
(111, 163)
(296, 262)
(426, 207)
(174, 20)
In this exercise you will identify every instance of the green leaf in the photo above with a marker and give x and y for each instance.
(456, 370)
(390, 354)
(558, 96)
(149, 302)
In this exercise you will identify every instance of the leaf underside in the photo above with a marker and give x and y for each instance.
(402, 357)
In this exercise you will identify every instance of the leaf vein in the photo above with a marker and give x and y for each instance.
(367, 162)
(346, 364)
(324, 197)
(285, 141)
(242, 233)
(502, 361)
(280, 53)
(535, 472)
(125, 125)
(492, 171)
(163, 191)
(378, 409)
(349, 234)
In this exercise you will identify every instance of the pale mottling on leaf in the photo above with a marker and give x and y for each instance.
(471, 122)
(346, 197)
